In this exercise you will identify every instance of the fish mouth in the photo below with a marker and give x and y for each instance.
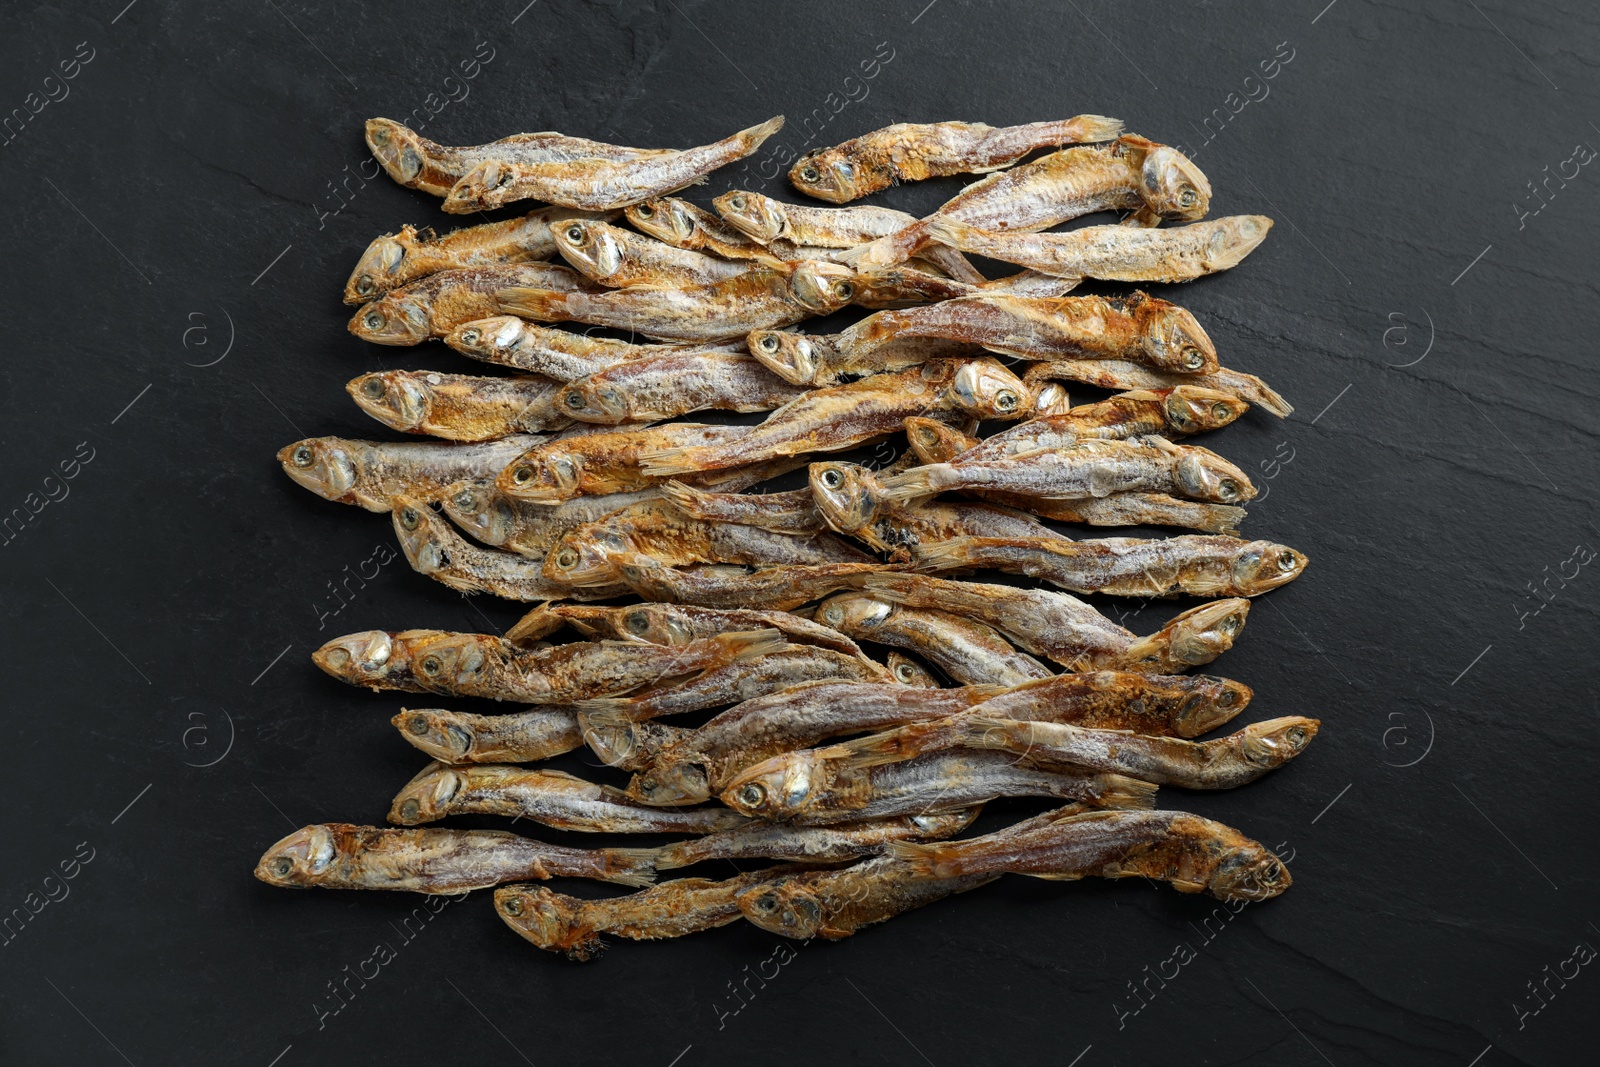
(537, 915)
(781, 908)
(391, 398)
(395, 147)
(837, 497)
(426, 797)
(1202, 634)
(1249, 875)
(413, 528)
(1267, 566)
(853, 612)
(307, 852)
(375, 271)
(444, 741)
(675, 786)
(392, 322)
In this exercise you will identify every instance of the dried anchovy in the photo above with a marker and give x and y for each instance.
(1157, 705)
(678, 624)
(774, 588)
(370, 473)
(619, 258)
(460, 407)
(680, 383)
(813, 844)
(458, 737)
(1119, 374)
(561, 354)
(793, 512)
(835, 904)
(552, 472)
(523, 527)
(436, 304)
(971, 652)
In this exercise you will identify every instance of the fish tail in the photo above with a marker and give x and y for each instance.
(914, 483)
(986, 731)
(685, 498)
(628, 866)
(948, 555)
(875, 750)
(1085, 129)
(887, 251)
(541, 305)
(1120, 791)
(953, 263)
(925, 861)
(755, 135)
(949, 232)
(666, 462)
(536, 624)
(747, 646)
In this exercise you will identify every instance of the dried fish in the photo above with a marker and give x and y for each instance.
(971, 652)
(824, 786)
(433, 547)
(820, 359)
(395, 259)
(912, 152)
(1196, 855)
(793, 512)
(684, 225)
(1175, 411)
(773, 588)
(1153, 181)
(555, 353)
(813, 844)
(843, 416)
(677, 624)
(754, 300)
(1126, 566)
(835, 904)
(436, 304)
(667, 386)
(619, 258)
(1120, 374)
(1068, 631)
(598, 184)
(552, 798)
(460, 407)
(370, 473)
(342, 856)
(1117, 253)
(418, 163)
(458, 737)
(523, 527)
(559, 923)
(373, 658)
(908, 671)
(552, 472)
(1158, 705)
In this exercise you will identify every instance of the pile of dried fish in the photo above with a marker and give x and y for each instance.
(861, 696)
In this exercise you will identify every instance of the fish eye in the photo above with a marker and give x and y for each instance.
(410, 809)
(631, 572)
(381, 137)
(1193, 359)
(1220, 411)
(338, 657)
(1229, 626)
(522, 475)
(373, 388)
(752, 794)
(1228, 699)
(372, 320)
(303, 456)
(1187, 197)
(1006, 400)
(1228, 489)
(1286, 562)
(409, 518)
(904, 672)
(766, 903)
(809, 174)
(513, 906)
(567, 559)
(736, 202)
(1295, 736)
(844, 290)
(419, 724)
(646, 211)
(636, 623)
(575, 400)
(465, 500)
(769, 343)
(471, 337)
(282, 865)
(431, 665)
(364, 284)
(574, 233)
(832, 478)
(834, 615)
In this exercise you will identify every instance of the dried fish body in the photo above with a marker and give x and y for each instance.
(434, 305)
(695, 765)
(820, 359)
(372, 658)
(1153, 181)
(684, 225)
(771, 588)
(561, 354)
(1170, 412)
(1127, 566)
(552, 798)
(1196, 855)
(793, 512)
(523, 527)
(460, 407)
(843, 416)
(754, 300)
(812, 844)
(618, 258)
(828, 785)
(1089, 468)
(344, 856)
(559, 923)
(1157, 705)
(418, 163)
(912, 152)
(458, 737)
(1068, 631)
(396, 259)
(835, 904)
(1120, 374)
(667, 386)
(599, 184)
(598, 464)
(678, 624)
(1117, 253)
(970, 652)
(370, 473)
(432, 547)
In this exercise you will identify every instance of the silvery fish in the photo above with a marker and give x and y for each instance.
(813, 844)
(520, 526)
(459, 737)
(969, 651)
(434, 305)
(555, 353)
(1121, 374)
(460, 407)
(618, 258)
(370, 473)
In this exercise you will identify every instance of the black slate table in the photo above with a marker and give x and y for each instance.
(188, 191)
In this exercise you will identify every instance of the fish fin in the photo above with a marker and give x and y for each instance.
(943, 555)
(1089, 128)
(630, 866)
(683, 497)
(529, 303)
(746, 646)
(671, 857)
(947, 232)
(910, 485)
(924, 860)
(1056, 877)
(539, 623)
(761, 132)
(665, 462)
(1120, 791)
(875, 750)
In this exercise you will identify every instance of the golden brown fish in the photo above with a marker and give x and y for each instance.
(813, 844)
(460, 407)
(1160, 705)
(1120, 374)
(521, 526)
(774, 588)
(459, 737)
(970, 652)
(598, 464)
(619, 258)
(555, 353)
(835, 904)
(684, 225)
(792, 512)
(370, 473)
(434, 305)
(678, 624)
(667, 386)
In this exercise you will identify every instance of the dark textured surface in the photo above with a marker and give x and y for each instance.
(178, 204)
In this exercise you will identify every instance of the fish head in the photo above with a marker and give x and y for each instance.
(1201, 474)
(487, 185)
(1210, 703)
(582, 558)
(666, 219)
(986, 389)
(934, 441)
(438, 733)
(1276, 741)
(594, 401)
(1051, 398)
(379, 265)
(399, 399)
(856, 614)
(542, 475)
(847, 494)
(590, 246)
(1234, 238)
(825, 174)
(494, 339)
(794, 357)
(908, 671)
(546, 919)
(453, 663)
(479, 510)
(325, 465)
(398, 318)
(1192, 409)
(677, 782)
(783, 907)
(1173, 339)
(426, 798)
(367, 658)
(300, 859)
(776, 788)
(1173, 186)
(1201, 634)
(1248, 872)
(759, 217)
(822, 288)
(421, 533)
(398, 148)
(1265, 565)
(656, 624)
